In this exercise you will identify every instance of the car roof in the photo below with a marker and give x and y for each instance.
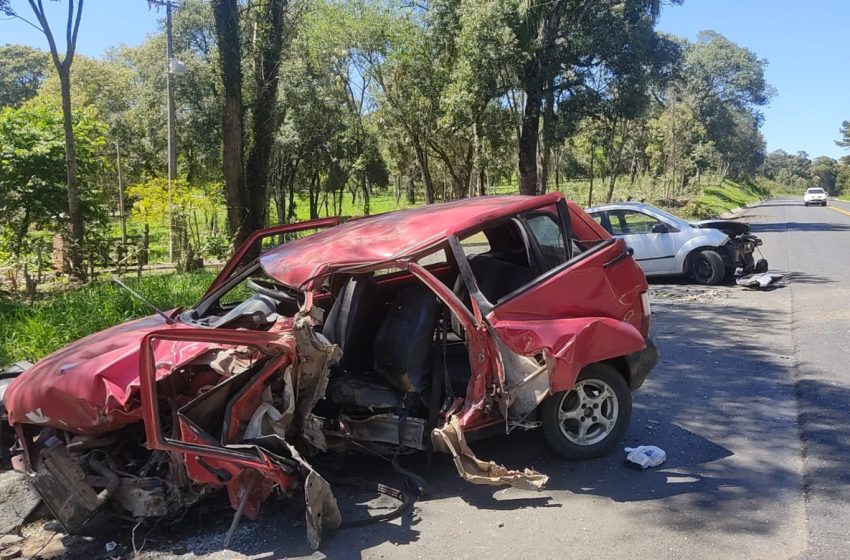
(626, 204)
(373, 240)
(648, 208)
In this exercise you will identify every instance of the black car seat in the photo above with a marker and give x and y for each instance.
(497, 278)
(402, 350)
(352, 319)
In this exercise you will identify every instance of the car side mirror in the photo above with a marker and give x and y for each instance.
(659, 227)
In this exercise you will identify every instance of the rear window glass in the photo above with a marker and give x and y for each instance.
(550, 237)
(815, 191)
(475, 244)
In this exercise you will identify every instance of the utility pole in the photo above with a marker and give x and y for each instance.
(173, 67)
(172, 134)
(123, 216)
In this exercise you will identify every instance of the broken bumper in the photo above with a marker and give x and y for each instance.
(641, 363)
(740, 253)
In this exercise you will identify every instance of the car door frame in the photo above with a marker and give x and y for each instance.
(625, 337)
(236, 262)
(647, 245)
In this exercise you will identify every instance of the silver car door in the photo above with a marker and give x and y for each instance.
(651, 239)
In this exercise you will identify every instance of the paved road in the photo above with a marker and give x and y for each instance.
(815, 243)
(750, 402)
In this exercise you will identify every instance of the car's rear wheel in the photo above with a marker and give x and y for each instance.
(707, 268)
(590, 419)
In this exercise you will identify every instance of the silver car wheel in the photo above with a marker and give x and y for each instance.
(588, 412)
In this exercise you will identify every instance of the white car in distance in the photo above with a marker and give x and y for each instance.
(815, 195)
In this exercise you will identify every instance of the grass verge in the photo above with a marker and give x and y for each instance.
(718, 199)
(31, 331)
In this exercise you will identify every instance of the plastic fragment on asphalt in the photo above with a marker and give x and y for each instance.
(644, 456)
(759, 281)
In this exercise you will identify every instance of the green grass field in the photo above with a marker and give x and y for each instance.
(31, 331)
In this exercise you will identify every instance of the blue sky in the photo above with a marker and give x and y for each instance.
(808, 62)
(805, 44)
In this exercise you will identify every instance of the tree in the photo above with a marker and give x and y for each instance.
(33, 168)
(22, 71)
(567, 45)
(824, 173)
(245, 187)
(845, 135)
(726, 85)
(63, 68)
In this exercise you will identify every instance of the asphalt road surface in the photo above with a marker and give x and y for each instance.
(751, 402)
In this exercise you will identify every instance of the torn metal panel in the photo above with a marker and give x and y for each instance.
(315, 357)
(527, 379)
(322, 512)
(450, 439)
(384, 428)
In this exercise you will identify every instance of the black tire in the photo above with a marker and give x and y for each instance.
(706, 267)
(562, 432)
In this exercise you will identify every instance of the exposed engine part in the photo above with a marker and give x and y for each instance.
(143, 497)
(62, 485)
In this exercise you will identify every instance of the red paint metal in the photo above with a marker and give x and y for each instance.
(248, 244)
(577, 315)
(388, 237)
(601, 319)
(199, 449)
(91, 386)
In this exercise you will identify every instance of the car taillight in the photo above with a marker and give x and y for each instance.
(647, 313)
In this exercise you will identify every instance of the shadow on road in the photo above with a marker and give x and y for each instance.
(765, 227)
(805, 278)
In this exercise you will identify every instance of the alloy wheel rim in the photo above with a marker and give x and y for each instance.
(588, 413)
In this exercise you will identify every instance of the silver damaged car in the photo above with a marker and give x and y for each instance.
(709, 251)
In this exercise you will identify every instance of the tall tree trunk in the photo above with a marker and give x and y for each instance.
(365, 185)
(411, 190)
(75, 208)
(226, 14)
(633, 170)
(539, 72)
(425, 168)
(475, 172)
(546, 144)
(63, 69)
(528, 144)
(269, 48)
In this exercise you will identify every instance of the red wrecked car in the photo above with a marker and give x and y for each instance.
(420, 329)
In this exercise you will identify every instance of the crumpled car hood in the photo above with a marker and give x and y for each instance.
(90, 386)
(729, 227)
